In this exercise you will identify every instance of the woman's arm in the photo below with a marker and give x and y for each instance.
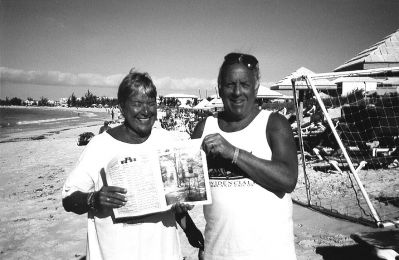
(76, 202)
(108, 196)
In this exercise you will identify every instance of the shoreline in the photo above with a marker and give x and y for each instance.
(42, 134)
(36, 134)
(89, 109)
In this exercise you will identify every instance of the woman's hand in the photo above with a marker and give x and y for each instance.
(110, 196)
(215, 146)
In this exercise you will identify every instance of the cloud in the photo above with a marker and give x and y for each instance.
(186, 85)
(56, 78)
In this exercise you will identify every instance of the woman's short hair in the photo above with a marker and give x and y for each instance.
(242, 58)
(132, 83)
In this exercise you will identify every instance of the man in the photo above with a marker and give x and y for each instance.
(252, 163)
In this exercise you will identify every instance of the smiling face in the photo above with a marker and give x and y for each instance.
(140, 112)
(238, 89)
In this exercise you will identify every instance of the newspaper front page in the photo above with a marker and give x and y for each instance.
(156, 179)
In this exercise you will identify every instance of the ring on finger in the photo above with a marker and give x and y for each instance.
(107, 199)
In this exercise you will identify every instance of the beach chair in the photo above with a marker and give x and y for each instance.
(85, 138)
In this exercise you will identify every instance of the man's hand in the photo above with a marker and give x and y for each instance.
(216, 146)
(193, 234)
(180, 208)
(201, 254)
(196, 239)
(110, 196)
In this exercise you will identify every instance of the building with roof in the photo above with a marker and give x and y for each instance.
(284, 86)
(374, 69)
(383, 54)
(346, 85)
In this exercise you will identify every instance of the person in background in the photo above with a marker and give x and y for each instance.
(105, 127)
(253, 168)
(148, 237)
(311, 109)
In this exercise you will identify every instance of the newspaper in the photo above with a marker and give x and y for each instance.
(156, 179)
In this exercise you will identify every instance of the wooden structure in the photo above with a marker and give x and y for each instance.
(383, 54)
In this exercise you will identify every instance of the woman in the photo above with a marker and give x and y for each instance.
(148, 237)
(252, 166)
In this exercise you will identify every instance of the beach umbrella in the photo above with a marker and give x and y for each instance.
(264, 92)
(214, 103)
(185, 106)
(202, 105)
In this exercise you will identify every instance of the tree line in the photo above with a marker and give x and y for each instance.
(89, 99)
(19, 102)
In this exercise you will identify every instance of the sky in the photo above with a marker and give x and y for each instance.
(53, 48)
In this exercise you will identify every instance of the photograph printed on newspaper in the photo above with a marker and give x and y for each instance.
(157, 179)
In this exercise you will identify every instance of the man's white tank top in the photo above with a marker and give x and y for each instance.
(245, 221)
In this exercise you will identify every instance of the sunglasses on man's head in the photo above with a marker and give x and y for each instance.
(248, 60)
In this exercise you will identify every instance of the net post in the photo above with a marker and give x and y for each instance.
(300, 139)
(309, 82)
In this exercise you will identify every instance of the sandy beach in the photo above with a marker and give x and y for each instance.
(34, 224)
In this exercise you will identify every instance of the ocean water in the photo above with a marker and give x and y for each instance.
(25, 119)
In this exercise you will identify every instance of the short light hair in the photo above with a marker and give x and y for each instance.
(132, 83)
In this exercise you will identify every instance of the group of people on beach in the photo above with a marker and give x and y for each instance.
(182, 120)
(255, 147)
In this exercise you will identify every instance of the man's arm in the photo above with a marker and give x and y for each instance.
(279, 174)
(184, 220)
(193, 234)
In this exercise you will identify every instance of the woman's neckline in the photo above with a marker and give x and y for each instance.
(128, 143)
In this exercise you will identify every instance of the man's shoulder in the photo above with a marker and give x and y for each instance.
(199, 129)
(202, 123)
(277, 122)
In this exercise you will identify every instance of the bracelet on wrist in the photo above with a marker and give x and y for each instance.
(91, 200)
(235, 156)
